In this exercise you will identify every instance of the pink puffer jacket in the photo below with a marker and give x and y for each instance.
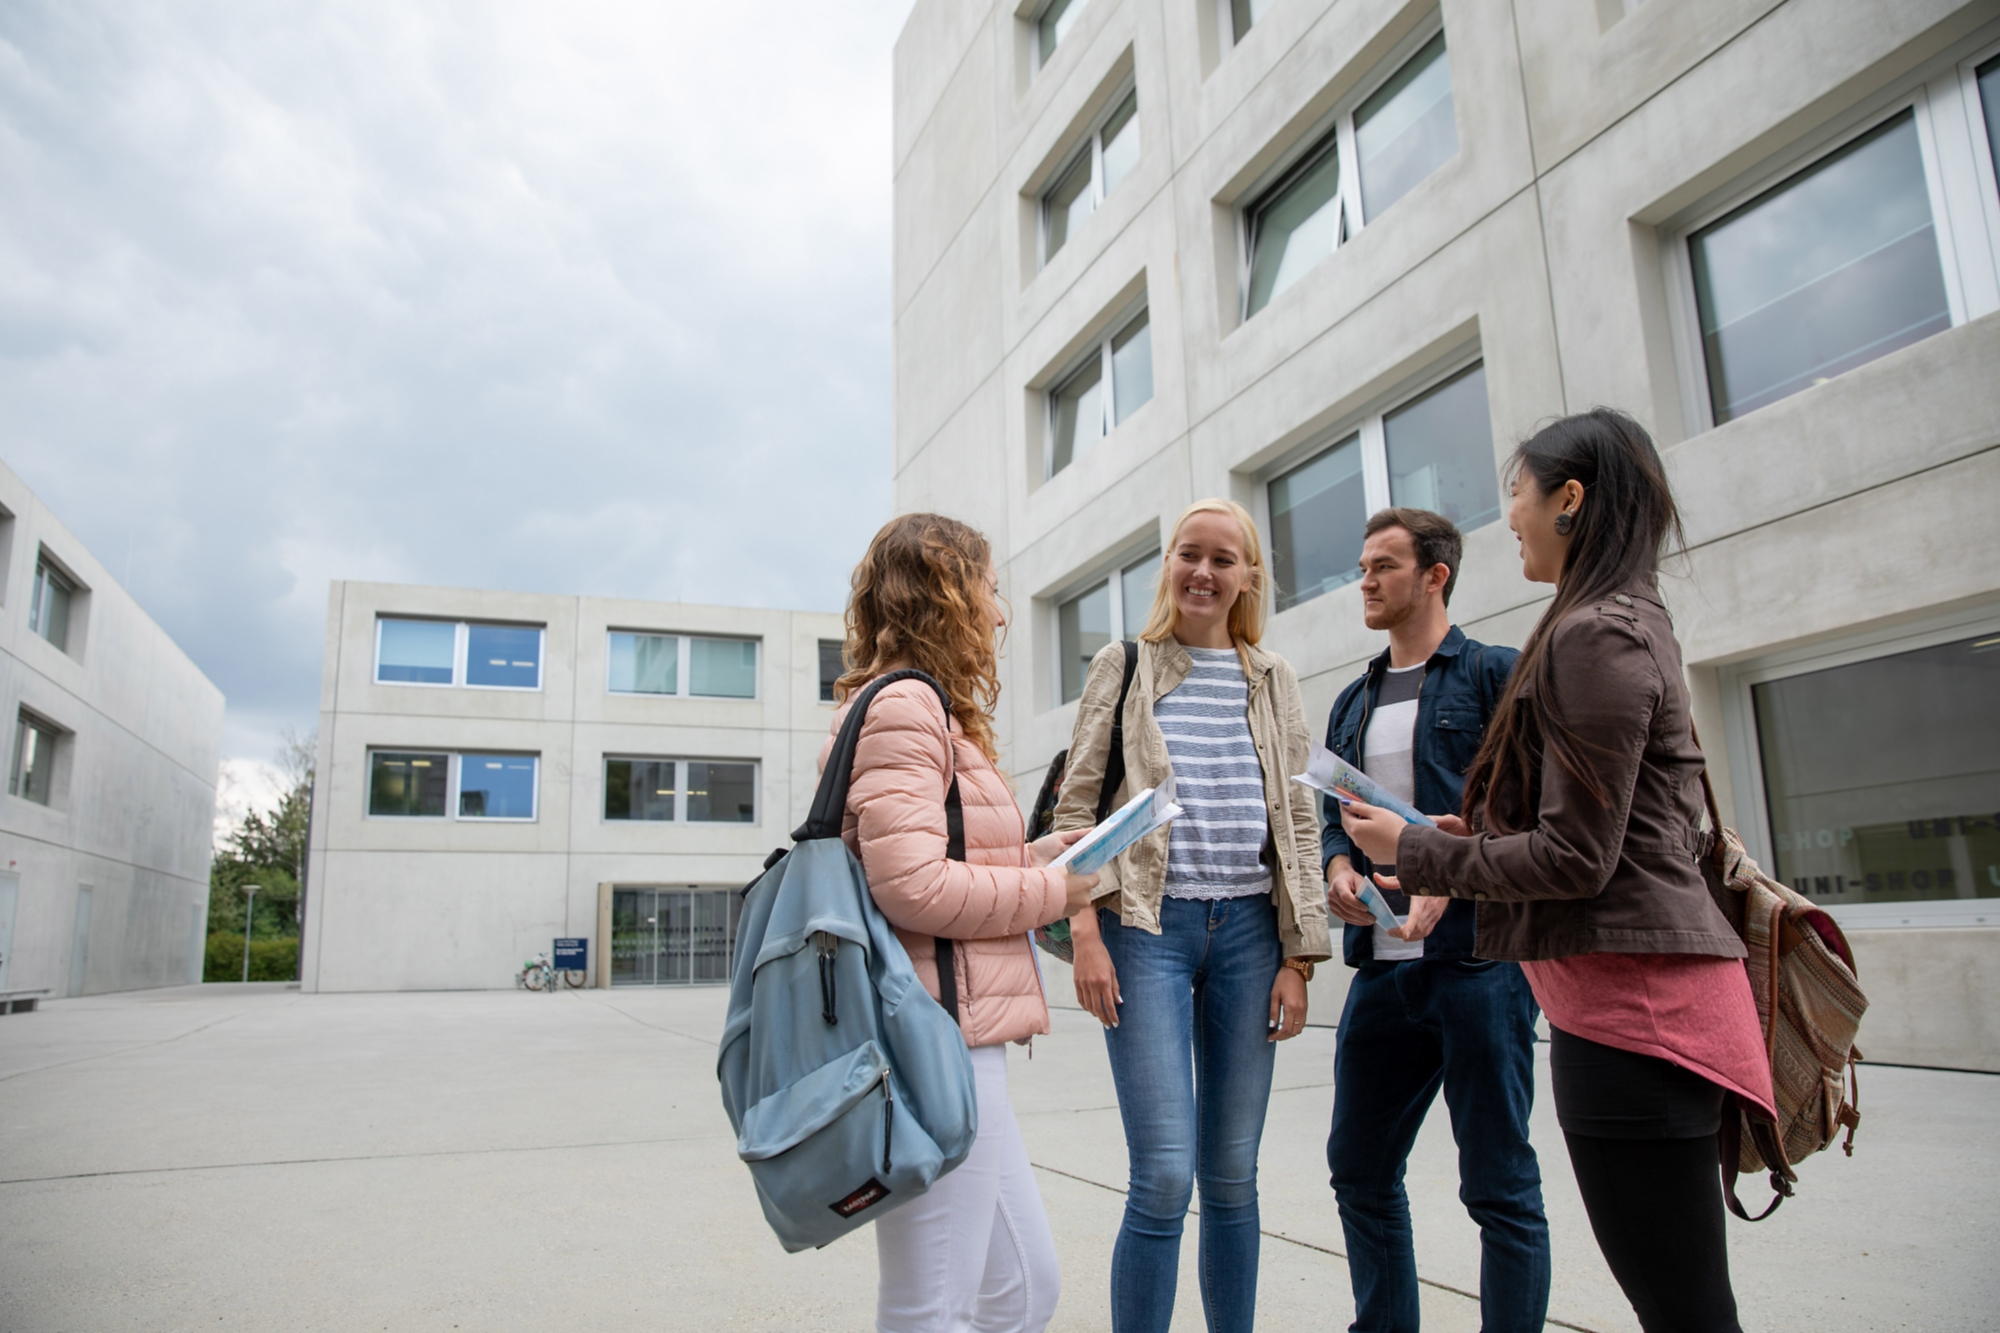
(986, 904)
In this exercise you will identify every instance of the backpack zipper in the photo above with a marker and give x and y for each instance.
(829, 1000)
(888, 1120)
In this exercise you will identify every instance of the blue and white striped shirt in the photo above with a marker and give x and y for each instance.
(1215, 849)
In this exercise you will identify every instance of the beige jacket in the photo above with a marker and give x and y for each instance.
(987, 903)
(1134, 883)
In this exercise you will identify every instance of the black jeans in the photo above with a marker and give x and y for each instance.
(1641, 1136)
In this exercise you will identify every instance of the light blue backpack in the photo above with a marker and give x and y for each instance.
(849, 1087)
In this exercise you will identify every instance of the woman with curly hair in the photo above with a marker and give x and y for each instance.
(975, 1250)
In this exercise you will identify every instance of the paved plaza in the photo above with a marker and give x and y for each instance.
(249, 1157)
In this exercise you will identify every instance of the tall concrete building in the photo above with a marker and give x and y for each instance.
(106, 829)
(1325, 256)
(499, 770)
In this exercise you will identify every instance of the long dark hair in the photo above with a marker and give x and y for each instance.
(1626, 523)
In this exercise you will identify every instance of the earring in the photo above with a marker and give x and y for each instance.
(1564, 522)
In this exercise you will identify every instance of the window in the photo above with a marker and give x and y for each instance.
(1988, 77)
(1084, 622)
(1106, 159)
(1081, 412)
(1369, 158)
(49, 603)
(680, 791)
(1243, 14)
(672, 937)
(682, 665)
(1828, 271)
(33, 775)
(465, 653)
(832, 666)
(1433, 452)
(1882, 776)
(427, 784)
(1052, 25)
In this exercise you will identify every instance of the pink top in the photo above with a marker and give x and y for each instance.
(1694, 1011)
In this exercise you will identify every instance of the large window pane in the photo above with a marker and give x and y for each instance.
(496, 786)
(721, 793)
(1883, 778)
(1318, 510)
(33, 777)
(832, 666)
(645, 663)
(1243, 14)
(1405, 130)
(1132, 367)
(1055, 23)
(1831, 270)
(1078, 413)
(1441, 453)
(406, 785)
(1121, 142)
(639, 789)
(1083, 626)
(1989, 101)
(507, 655)
(1137, 583)
(1068, 204)
(48, 608)
(416, 651)
(723, 668)
(1296, 228)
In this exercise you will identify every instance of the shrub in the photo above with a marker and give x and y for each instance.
(270, 960)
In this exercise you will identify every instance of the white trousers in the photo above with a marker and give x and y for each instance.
(974, 1254)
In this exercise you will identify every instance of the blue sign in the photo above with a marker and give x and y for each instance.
(571, 955)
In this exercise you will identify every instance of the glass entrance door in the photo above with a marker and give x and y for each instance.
(672, 937)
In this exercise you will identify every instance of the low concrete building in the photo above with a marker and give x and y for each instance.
(1324, 256)
(107, 825)
(499, 770)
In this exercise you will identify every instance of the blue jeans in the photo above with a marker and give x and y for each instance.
(1409, 1027)
(1201, 988)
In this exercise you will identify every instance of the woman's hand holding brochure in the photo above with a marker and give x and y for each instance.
(1151, 809)
(1328, 772)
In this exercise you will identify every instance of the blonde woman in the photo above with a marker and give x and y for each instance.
(975, 1251)
(1196, 953)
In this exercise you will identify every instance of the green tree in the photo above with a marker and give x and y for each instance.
(269, 850)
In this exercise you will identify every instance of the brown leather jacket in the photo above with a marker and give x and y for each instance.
(1621, 877)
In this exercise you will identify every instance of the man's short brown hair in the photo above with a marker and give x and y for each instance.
(1437, 539)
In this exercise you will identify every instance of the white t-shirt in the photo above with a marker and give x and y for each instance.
(1388, 755)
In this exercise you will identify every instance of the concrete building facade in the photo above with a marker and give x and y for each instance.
(499, 770)
(113, 742)
(1327, 255)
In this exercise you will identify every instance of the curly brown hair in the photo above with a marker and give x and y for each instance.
(920, 598)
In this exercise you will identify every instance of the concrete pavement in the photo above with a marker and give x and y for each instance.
(222, 1156)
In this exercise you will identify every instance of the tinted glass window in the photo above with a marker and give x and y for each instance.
(496, 786)
(831, 667)
(1318, 510)
(721, 793)
(509, 655)
(408, 785)
(645, 663)
(1834, 268)
(1882, 778)
(723, 668)
(1083, 626)
(1441, 453)
(1298, 226)
(416, 651)
(639, 789)
(1405, 130)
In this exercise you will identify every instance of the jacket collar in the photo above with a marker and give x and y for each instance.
(1261, 662)
(1453, 645)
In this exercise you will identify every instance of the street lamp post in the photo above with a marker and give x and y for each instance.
(249, 910)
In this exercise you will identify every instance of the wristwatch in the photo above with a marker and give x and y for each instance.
(1301, 966)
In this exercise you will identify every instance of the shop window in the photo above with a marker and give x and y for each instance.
(1882, 777)
(1084, 622)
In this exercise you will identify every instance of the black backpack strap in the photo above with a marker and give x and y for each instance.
(1114, 761)
(829, 805)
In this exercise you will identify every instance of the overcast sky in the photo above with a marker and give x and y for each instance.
(580, 297)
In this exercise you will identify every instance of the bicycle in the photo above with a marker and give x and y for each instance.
(574, 978)
(536, 974)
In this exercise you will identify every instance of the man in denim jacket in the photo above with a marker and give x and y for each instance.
(1421, 1011)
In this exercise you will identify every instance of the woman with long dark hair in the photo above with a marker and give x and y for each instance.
(1581, 844)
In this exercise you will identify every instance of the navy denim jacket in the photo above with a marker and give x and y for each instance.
(1461, 685)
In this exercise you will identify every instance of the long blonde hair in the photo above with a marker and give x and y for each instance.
(920, 597)
(1246, 616)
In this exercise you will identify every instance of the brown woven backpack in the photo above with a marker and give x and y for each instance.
(1810, 1006)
